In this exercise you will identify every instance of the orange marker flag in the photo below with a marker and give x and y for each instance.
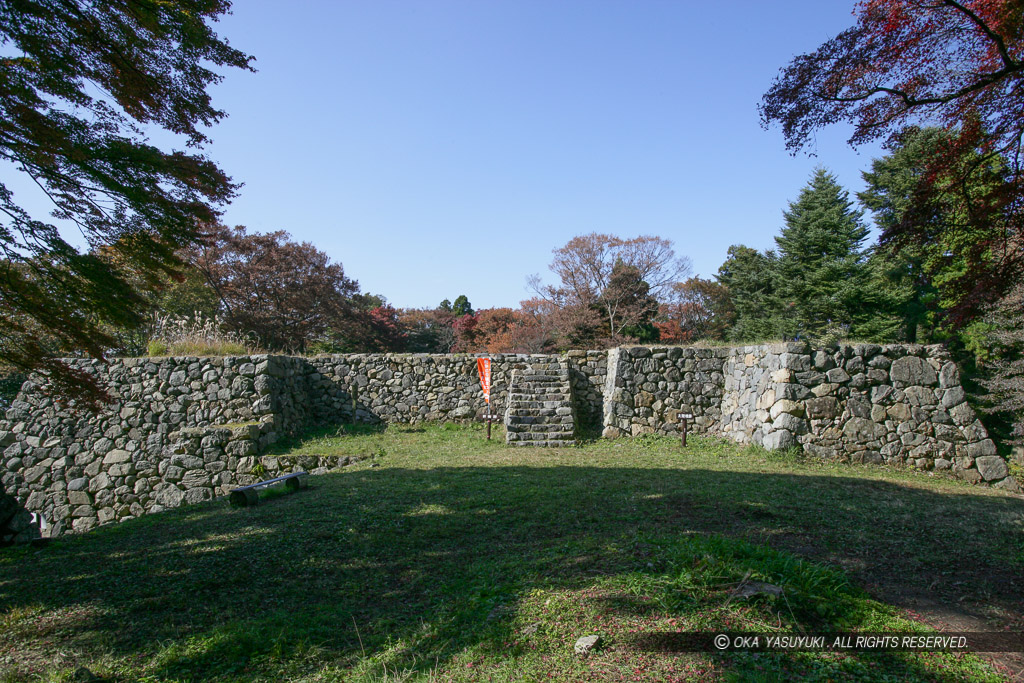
(483, 366)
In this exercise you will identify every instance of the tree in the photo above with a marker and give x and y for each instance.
(502, 330)
(385, 333)
(288, 294)
(939, 271)
(466, 337)
(699, 309)
(584, 309)
(1005, 372)
(628, 305)
(823, 278)
(427, 330)
(462, 306)
(77, 83)
(751, 279)
(958, 64)
(585, 264)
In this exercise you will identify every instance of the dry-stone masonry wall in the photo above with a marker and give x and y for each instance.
(648, 387)
(183, 430)
(900, 404)
(187, 429)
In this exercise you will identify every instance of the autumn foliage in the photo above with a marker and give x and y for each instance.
(77, 81)
(955, 64)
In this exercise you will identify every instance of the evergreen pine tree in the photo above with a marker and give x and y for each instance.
(751, 279)
(825, 284)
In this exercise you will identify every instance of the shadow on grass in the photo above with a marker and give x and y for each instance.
(414, 566)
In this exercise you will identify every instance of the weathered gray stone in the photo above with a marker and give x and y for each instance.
(980, 448)
(586, 644)
(837, 376)
(786, 406)
(912, 371)
(824, 408)
(961, 414)
(196, 479)
(198, 495)
(861, 430)
(920, 396)
(168, 495)
(791, 423)
(79, 484)
(1009, 484)
(117, 456)
(779, 440)
(953, 396)
(99, 482)
(991, 467)
(949, 376)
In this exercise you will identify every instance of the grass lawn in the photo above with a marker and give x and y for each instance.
(446, 557)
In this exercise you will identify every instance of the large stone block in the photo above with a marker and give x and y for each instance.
(168, 495)
(912, 371)
(117, 456)
(787, 406)
(860, 430)
(779, 440)
(991, 467)
(985, 447)
(920, 396)
(100, 482)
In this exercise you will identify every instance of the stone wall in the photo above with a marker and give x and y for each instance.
(78, 469)
(187, 429)
(898, 404)
(408, 388)
(183, 430)
(647, 387)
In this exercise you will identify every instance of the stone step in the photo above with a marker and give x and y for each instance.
(534, 438)
(554, 387)
(539, 418)
(535, 394)
(539, 428)
(540, 382)
(520, 406)
(539, 412)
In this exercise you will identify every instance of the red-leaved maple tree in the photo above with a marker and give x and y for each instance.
(958, 64)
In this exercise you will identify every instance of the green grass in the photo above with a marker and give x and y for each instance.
(446, 557)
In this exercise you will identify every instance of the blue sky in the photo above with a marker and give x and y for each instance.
(440, 148)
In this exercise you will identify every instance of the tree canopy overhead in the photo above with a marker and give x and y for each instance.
(958, 62)
(79, 82)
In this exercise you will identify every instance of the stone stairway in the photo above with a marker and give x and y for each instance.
(540, 408)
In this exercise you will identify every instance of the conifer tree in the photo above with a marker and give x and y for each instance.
(824, 280)
(751, 279)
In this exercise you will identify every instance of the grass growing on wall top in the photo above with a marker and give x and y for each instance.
(447, 557)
